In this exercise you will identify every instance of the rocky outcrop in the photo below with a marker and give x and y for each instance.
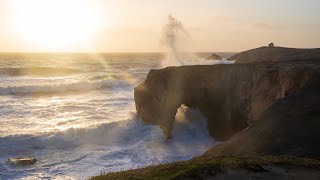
(231, 97)
(290, 126)
(276, 54)
(214, 57)
(22, 161)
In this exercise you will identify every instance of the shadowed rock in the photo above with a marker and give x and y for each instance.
(290, 126)
(231, 97)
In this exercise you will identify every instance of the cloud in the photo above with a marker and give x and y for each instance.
(262, 25)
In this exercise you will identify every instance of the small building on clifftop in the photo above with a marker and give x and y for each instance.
(271, 45)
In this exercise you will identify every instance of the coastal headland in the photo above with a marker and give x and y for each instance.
(264, 109)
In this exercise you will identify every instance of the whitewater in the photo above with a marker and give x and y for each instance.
(75, 114)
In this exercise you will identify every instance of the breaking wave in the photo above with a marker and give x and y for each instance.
(38, 71)
(190, 128)
(62, 87)
(121, 145)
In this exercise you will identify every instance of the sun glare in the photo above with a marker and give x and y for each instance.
(56, 24)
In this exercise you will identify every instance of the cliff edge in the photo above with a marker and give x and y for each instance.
(276, 54)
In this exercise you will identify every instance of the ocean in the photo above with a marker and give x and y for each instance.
(75, 113)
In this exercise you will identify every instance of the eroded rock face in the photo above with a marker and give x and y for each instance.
(289, 127)
(230, 96)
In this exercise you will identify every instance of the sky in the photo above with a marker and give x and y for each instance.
(136, 25)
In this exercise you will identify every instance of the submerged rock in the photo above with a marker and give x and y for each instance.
(214, 57)
(22, 161)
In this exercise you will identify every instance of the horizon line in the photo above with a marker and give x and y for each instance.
(99, 52)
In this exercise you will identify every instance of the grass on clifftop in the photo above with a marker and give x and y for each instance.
(194, 169)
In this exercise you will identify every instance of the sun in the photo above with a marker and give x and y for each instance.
(56, 24)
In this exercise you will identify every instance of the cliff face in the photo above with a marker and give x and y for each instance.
(231, 97)
(276, 54)
(290, 126)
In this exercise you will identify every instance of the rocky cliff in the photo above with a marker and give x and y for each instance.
(259, 108)
(231, 97)
(290, 126)
(276, 54)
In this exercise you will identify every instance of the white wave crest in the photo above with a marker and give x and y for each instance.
(113, 146)
(59, 88)
(189, 128)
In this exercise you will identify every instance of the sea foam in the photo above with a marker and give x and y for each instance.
(131, 141)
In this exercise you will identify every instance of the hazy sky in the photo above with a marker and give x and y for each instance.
(135, 25)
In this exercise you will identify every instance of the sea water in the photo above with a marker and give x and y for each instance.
(75, 113)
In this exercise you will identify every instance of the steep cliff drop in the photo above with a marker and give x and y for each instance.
(290, 126)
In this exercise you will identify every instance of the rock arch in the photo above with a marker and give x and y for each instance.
(229, 96)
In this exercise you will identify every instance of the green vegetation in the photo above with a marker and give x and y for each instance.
(200, 167)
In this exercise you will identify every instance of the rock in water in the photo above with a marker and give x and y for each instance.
(22, 161)
(214, 57)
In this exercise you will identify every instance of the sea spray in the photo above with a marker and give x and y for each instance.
(174, 38)
(177, 43)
